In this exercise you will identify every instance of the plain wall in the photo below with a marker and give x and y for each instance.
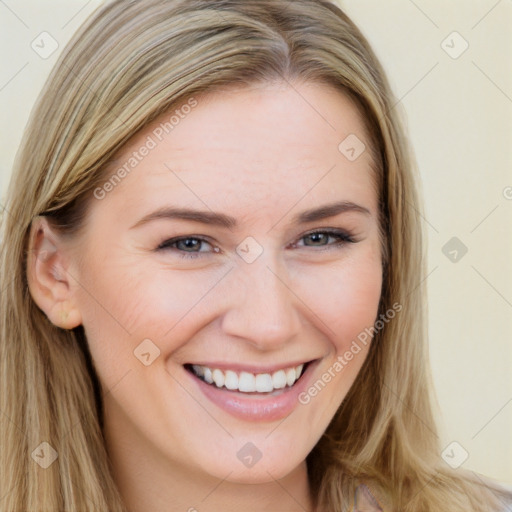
(459, 112)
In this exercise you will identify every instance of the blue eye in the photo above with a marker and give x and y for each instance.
(190, 246)
(185, 246)
(320, 238)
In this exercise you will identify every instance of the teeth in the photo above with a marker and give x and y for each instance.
(247, 382)
(264, 383)
(198, 370)
(231, 380)
(290, 376)
(207, 375)
(218, 378)
(279, 379)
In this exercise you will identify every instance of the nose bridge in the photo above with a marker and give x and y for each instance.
(264, 312)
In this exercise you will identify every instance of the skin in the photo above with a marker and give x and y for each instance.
(262, 155)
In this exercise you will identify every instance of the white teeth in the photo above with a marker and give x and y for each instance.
(264, 383)
(207, 375)
(231, 380)
(290, 376)
(218, 378)
(279, 379)
(247, 382)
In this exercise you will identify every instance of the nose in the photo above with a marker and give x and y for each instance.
(262, 306)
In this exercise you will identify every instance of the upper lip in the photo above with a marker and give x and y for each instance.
(252, 368)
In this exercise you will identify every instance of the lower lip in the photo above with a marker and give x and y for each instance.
(257, 407)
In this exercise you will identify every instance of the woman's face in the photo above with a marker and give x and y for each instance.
(242, 292)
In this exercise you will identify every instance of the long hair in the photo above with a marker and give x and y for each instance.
(129, 63)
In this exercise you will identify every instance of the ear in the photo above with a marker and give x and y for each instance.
(50, 284)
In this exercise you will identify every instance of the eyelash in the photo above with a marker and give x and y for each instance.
(343, 237)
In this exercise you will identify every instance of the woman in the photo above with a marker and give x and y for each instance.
(175, 336)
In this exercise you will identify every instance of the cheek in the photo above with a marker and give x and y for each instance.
(126, 303)
(345, 298)
(358, 303)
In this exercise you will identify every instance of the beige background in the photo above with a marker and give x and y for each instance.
(459, 113)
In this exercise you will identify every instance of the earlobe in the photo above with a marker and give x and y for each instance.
(65, 315)
(49, 282)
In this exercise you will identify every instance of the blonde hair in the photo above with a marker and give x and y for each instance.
(129, 63)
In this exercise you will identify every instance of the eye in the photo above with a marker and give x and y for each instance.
(191, 246)
(320, 238)
(187, 247)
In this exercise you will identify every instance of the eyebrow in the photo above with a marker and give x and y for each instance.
(226, 221)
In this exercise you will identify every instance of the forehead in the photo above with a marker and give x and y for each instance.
(245, 146)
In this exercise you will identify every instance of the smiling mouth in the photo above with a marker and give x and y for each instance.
(247, 382)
